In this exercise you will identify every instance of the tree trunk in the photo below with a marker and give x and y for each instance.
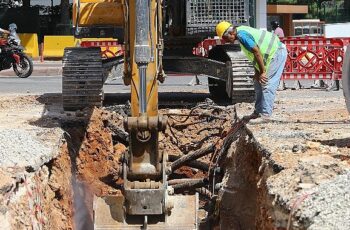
(65, 17)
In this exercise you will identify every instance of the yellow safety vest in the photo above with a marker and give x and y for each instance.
(267, 42)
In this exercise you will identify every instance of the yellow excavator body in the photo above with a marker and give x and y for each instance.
(98, 12)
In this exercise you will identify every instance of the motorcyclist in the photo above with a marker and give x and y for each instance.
(10, 32)
(13, 33)
(13, 29)
(3, 38)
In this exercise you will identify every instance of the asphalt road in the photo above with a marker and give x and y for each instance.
(176, 89)
(37, 85)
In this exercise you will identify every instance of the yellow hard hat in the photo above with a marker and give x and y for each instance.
(222, 27)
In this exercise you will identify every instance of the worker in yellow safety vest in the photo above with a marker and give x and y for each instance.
(268, 55)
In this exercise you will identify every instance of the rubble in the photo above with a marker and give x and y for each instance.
(31, 152)
(327, 206)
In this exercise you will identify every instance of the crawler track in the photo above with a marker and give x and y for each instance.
(242, 73)
(82, 78)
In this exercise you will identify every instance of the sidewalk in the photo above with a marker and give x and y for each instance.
(46, 68)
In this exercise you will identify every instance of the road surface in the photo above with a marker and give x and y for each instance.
(37, 85)
(176, 89)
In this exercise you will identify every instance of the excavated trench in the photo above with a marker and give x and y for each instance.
(232, 194)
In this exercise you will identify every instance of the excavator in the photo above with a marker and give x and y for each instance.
(147, 201)
(157, 37)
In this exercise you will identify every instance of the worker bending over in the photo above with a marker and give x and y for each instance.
(268, 55)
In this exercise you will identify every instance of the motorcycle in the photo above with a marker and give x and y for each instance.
(12, 54)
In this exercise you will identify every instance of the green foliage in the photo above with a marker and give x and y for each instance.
(329, 11)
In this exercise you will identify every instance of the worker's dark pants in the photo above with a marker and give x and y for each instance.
(265, 95)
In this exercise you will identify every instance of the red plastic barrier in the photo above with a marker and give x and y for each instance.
(107, 47)
(203, 48)
(313, 58)
(308, 57)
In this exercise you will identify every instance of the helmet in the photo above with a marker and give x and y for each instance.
(222, 27)
(12, 26)
(274, 24)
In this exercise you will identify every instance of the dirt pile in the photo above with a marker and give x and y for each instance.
(97, 158)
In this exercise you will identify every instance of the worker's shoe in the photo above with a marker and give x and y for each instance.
(252, 116)
(194, 81)
(333, 88)
(316, 85)
(257, 118)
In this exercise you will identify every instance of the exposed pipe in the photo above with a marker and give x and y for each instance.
(191, 156)
(190, 184)
(193, 164)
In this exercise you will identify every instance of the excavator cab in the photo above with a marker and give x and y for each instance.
(98, 19)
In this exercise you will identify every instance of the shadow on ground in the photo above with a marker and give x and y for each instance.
(340, 143)
(166, 99)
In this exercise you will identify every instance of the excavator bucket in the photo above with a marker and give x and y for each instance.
(109, 214)
(346, 77)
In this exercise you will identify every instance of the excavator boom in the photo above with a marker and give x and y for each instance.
(147, 199)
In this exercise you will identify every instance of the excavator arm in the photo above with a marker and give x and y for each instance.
(147, 200)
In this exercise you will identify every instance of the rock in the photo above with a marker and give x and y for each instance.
(306, 185)
(333, 149)
(297, 148)
(313, 145)
(327, 130)
(175, 111)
